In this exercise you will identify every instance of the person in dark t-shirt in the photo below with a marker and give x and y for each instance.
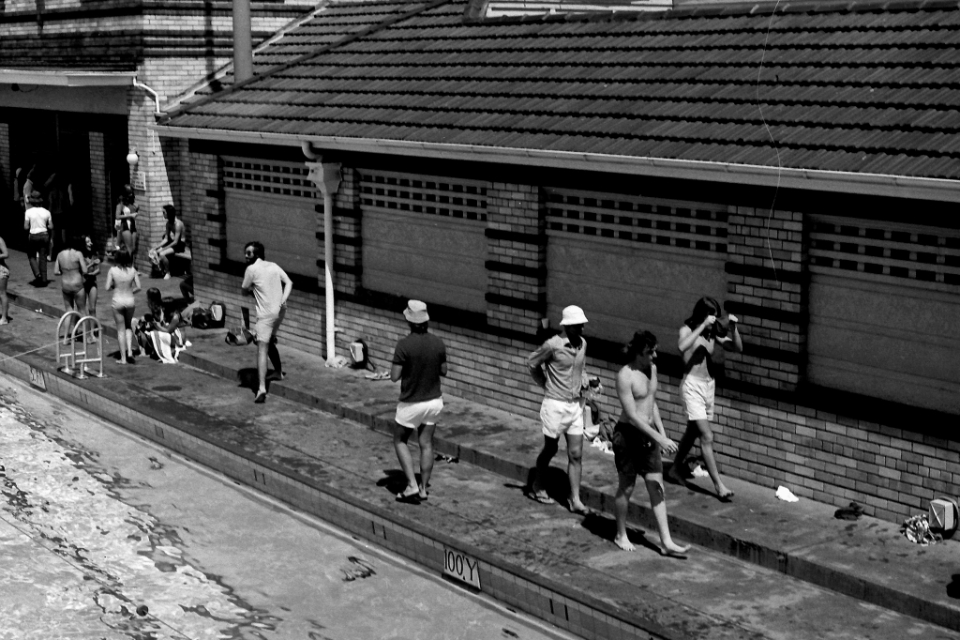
(419, 360)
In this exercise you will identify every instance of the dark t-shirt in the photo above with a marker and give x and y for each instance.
(421, 355)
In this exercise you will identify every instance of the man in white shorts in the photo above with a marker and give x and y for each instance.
(419, 361)
(271, 286)
(557, 366)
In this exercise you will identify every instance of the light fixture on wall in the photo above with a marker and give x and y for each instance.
(133, 159)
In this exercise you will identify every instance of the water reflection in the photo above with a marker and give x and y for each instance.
(101, 559)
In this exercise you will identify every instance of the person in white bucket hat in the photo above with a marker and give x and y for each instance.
(558, 367)
(419, 361)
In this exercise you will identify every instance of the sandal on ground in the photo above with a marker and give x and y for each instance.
(540, 496)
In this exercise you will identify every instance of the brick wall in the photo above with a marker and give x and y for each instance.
(766, 289)
(6, 171)
(99, 189)
(818, 454)
(516, 281)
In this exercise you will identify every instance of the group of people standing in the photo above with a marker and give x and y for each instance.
(78, 262)
(639, 435)
(558, 366)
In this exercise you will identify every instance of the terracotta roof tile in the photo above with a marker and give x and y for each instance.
(843, 90)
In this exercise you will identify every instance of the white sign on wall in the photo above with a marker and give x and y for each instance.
(139, 180)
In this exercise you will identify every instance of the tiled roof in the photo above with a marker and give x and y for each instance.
(849, 87)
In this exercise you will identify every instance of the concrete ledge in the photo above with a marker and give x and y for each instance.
(554, 602)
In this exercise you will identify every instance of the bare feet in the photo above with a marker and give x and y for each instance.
(675, 550)
(673, 475)
(623, 542)
(423, 493)
(577, 507)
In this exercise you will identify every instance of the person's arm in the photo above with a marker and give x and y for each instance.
(535, 362)
(171, 326)
(110, 284)
(247, 286)
(136, 282)
(396, 369)
(26, 222)
(688, 336)
(56, 264)
(83, 262)
(629, 404)
(732, 342)
(287, 287)
(4, 254)
(93, 267)
(443, 362)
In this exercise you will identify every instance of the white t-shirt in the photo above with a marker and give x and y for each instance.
(267, 280)
(39, 219)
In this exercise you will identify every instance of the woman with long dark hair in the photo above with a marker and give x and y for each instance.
(173, 241)
(126, 217)
(90, 275)
(124, 280)
(699, 337)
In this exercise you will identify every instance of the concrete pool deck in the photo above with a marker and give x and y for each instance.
(305, 446)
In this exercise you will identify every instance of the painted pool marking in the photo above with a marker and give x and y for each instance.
(459, 565)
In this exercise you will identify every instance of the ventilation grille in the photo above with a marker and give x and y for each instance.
(684, 225)
(279, 178)
(904, 253)
(448, 197)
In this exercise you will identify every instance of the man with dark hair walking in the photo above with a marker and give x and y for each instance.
(271, 287)
(419, 361)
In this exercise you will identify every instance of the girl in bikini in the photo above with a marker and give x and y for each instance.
(126, 216)
(71, 266)
(699, 336)
(125, 281)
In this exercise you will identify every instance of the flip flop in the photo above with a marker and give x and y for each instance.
(582, 511)
(541, 497)
(727, 497)
(260, 399)
(413, 498)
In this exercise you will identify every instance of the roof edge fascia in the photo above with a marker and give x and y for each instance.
(876, 184)
(67, 78)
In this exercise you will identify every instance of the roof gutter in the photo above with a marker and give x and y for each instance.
(936, 189)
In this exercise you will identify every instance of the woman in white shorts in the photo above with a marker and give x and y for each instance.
(699, 336)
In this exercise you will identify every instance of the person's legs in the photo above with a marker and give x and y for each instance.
(4, 302)
(683, 449)
(654, 482)
(262, 348)
(401, 435)
(621, 503)
(706, 447)
(118, 319)
(425, 438)
(128, 330)
(574, 467)
(32, 251)
(550, 448)
(164, 260)
(274, 356)
(42, 257)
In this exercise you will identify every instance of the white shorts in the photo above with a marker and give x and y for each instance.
(267, 326)
(561, 417)
(697, 394)
(413, 414)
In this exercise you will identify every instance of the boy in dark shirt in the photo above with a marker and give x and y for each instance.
(419, 360)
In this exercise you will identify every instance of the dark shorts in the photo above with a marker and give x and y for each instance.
(634, 453)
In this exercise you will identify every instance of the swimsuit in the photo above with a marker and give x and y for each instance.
(123, 281)
(70, 279)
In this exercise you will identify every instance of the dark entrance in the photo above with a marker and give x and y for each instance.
(53, 149)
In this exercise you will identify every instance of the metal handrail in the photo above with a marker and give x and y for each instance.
(62, 338)
(93, 336)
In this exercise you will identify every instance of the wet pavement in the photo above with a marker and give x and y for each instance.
(106, 535)
(320, 442)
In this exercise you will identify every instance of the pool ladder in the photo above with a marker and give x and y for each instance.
(88, 335)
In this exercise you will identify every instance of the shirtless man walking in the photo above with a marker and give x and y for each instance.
(699, 337)
(637, 440)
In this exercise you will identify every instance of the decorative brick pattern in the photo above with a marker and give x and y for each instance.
(516, 272)
(6, 171)
(347, 225)
(766, 289)
(820, 455)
